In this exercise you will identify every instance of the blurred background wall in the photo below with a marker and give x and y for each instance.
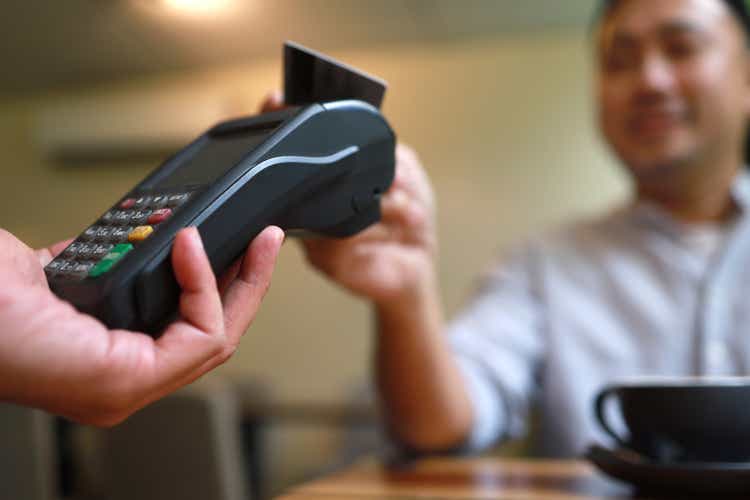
(496, 97)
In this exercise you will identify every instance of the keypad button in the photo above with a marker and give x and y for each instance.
(140, 233)
(85, 251)
(160, 216)
(72, 249)
(127, 203)
(103, 234)
(120, 234)
(80, 269)
(101, 267)
(139, 217)
(158, 201)
(90, 233)
(53, 267)
(99, 251)
(120, 250)
(66, 267)
(177, 199)
(142, 202)
(109, 217)
(109, 260)
(122, 218)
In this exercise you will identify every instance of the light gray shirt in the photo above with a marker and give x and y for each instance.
(633, 293)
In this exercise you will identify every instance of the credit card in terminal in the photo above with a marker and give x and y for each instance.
(310, 76)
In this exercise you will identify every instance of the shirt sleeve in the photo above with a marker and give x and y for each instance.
(497, 340)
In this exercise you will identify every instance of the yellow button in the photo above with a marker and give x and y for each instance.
(140, 233)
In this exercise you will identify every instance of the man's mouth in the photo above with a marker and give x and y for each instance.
(655, 123)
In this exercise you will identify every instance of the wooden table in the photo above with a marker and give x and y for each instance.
(452, 478)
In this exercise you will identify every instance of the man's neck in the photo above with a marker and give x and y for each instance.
(692, 199)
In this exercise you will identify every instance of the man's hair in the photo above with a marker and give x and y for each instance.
(740, 8)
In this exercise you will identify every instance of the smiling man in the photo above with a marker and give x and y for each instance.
(673, 95)
(656, 287)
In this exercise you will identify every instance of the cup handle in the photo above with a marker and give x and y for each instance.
(601, 400)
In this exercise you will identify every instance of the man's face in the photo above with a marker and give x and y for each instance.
(674, 85)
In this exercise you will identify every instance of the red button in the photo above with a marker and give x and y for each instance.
(160, 215)
(127, 203)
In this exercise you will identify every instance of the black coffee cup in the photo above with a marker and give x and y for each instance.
(682, 419)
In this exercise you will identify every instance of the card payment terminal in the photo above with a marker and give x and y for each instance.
(319, 168)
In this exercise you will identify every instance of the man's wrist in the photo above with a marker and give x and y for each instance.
(418, 298)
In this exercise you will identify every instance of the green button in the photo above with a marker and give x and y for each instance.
(118, 251)
(101, 268)
(121, 249)
(109, 260)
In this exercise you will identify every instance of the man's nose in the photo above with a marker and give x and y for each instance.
(656, 74)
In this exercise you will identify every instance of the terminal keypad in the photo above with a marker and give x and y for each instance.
(121, 229)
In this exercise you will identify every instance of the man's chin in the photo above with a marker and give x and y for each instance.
(653, 166)
(649, 158)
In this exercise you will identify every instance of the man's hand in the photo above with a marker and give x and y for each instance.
(395, 256)
(55, 358)
(393, 264)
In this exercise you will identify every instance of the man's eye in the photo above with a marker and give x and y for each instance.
(620, 60)
(681, 49)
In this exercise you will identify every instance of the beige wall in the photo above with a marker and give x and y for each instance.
(504, 129)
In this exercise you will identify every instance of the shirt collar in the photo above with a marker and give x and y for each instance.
(741, 190)
(651, 213)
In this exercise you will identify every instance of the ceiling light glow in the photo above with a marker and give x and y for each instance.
(197, 7)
